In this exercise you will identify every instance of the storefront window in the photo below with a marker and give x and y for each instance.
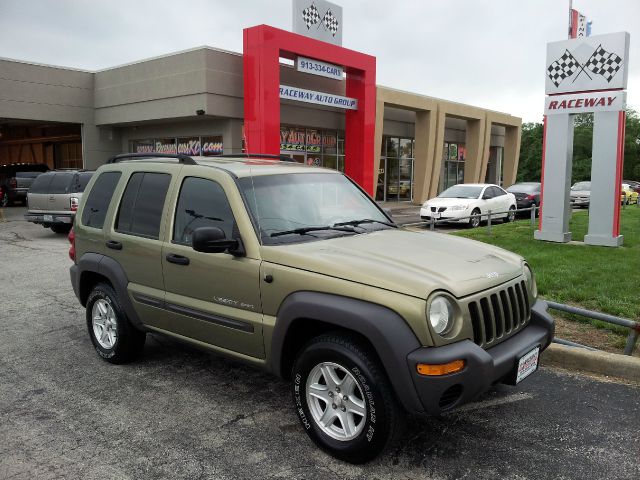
(313, 146)
(189, 146)
(208, 146)
(143, 146)
(405, 148)
(454, 156)
(395, 174)
(392, 147)
(212, 146)
(166, 145)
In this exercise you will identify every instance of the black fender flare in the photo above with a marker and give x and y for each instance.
(387, 331)
(113, 271)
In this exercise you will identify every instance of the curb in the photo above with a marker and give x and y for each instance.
(603, 363)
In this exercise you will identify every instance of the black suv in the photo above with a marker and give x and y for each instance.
(15, 180)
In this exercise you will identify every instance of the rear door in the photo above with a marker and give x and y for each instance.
(135, 234)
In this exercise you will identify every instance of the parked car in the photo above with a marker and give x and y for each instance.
(527, 194)
(580, 194)
(296, 270)
(628, 194)
(54, 197)
(635, 186)
(472, 200)
(15, 180)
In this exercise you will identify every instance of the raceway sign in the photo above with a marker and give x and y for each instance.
(319, 98)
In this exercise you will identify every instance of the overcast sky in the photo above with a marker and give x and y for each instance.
(489, 53)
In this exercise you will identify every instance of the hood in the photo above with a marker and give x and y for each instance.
(412, 263)
(580, 193)
(447, 202)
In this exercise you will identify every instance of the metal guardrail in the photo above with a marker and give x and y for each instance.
(634, 327)
(489, 217)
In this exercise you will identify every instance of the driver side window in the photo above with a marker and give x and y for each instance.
(488, 193)
(202, 203)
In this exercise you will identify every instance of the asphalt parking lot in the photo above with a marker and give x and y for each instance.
(181, 413)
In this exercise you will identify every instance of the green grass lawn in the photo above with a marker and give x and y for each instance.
(597, 278)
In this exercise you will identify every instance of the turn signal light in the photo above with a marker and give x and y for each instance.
(440, 369)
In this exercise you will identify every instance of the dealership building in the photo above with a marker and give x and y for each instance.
(194, 102)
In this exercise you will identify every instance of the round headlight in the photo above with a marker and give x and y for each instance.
(530, 280)
(441, 315)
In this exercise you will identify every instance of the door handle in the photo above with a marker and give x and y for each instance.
(114, 245)
(177, 259)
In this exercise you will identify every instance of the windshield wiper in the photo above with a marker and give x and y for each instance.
(305, 230)
(355, 223)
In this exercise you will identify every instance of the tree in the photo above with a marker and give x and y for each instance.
(530, 165)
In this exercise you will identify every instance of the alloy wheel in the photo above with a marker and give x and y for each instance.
(336, 401)
(104, 324)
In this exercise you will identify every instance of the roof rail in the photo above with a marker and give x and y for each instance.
(269, 156)
(186, 159)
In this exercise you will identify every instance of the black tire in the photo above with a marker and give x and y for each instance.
(60, 228)
(511, 216)
(383, 420)
(129, 340)
(475, 219)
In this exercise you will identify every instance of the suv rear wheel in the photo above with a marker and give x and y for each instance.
(112, 335)
(343, 399)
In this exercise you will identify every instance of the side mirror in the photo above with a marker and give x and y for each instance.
(486, 196)
(213, 240)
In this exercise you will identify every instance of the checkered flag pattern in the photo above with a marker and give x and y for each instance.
(330, 22)
(311, 15)
(562, 68)
(604, 63)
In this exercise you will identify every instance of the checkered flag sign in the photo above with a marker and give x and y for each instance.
(562, 68)
(311, 15)
(604, 63)
(330, 22)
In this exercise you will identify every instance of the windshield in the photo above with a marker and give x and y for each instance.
(287, 208)
(461, 191)
(524, 188)
(582, 186)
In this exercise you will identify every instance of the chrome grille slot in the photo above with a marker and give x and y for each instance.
(497, 315)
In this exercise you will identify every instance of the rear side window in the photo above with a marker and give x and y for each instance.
(61, 183)
(202, 203)
(80, 182)
(99, 198)
(142, 203)
(41, 183)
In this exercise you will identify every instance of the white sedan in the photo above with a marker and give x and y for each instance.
(471, 200)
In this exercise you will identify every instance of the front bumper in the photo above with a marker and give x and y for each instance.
(447, 215)
(579, 202)
(50, 219)
(483, 367)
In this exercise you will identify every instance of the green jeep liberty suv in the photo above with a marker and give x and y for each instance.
(296, 270)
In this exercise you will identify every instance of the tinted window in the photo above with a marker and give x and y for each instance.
(524, 188)
(202, 203)
(41, 183)
(61, 183)
(488, 193)
(99, 198)
(27, 174)
(497, 191)
(81, 180)
(142, 203)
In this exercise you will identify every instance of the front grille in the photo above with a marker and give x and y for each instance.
(499, 315)
(440, 209)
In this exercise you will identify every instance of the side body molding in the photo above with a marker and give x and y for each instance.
(109, 268)
(389, 334)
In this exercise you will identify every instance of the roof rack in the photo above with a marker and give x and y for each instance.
(186, 159)
(270, 156)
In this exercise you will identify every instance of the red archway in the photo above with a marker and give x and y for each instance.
(263, 46)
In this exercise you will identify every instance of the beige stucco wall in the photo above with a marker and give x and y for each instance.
(431, 115)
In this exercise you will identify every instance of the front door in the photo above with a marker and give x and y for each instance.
(210, 297)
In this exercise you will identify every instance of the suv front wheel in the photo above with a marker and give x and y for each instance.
(112, 335)
(343, 399)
